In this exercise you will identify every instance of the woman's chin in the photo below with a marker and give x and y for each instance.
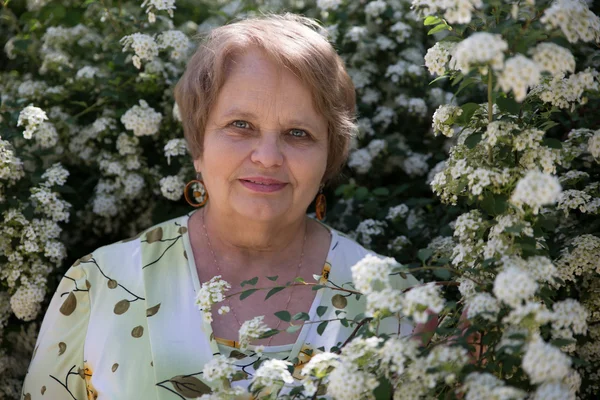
(263, 211)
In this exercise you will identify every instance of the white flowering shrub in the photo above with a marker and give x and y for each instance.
(476, 166)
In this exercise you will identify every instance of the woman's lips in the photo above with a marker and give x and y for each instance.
(262, 185)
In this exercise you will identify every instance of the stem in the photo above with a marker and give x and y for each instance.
(490, 103)
(299, 284)
(354, 332)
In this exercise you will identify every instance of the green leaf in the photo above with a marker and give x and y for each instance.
(361, 193)
(439, 28)
(284, 315)
(468, 109)
(317, 287)
(247, 293)
(508, 105)
(552, 143)
(321, 310)
(272, 278)
(424, 254)
(293, 328)
(473, 140)
(381, 191)
(432, 20)
(383, 390)
(321, 327)
(301, 316)
(273, 291)
(250, 282)
(439, 78)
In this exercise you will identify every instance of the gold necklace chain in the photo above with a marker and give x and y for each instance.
(220, 273)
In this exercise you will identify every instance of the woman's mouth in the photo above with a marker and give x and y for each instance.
(262, 185)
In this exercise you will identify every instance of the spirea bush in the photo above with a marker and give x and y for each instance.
(475, 168)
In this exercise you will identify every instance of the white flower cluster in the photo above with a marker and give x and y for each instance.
(456, 11)
(399, 243)
(172, 187)
(594, 145)
(371, 277)
(219, 368)
(414, 105)
(143, 45)
(479, 50)
(443, 119)
(513, 286)
(484, 305)
(317, 369)
(361, 159)
(251, 330)
(553, 58)
(50, 204)
(545, 363)
(536, 189)
(400, 211)
(437, 57)
(415, 164)
(55, 175)
(272, 374)
(26, 302)
(174, 148)
(484, 386)
(177, 41)
(418, 300)
(87, 72)
(31, 118)
(210, 293)
(11, 167)
(143, 120)
(567, 92)
(569, 317)
(158, 5)
(368, 228)
(327, 5)
(575, 20)
(580, 259)
(577, 200)
(519, 74)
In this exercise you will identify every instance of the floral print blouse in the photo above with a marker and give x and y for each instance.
(123, 323)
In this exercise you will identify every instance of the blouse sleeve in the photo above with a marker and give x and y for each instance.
(57, 368)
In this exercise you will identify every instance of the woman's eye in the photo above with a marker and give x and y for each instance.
(298, 133)
(240, 124)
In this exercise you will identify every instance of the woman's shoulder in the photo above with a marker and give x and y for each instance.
(127, 251)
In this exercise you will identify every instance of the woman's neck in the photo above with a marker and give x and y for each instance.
(241, 244)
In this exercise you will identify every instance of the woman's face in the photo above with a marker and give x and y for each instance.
(265, 146)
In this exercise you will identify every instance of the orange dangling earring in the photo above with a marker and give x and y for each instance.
(198, 190)
(321, 205)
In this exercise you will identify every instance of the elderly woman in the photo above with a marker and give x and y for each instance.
(268, 111)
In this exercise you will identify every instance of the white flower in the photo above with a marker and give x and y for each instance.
(46, 135)
(513, 286)
(375, 8)
(569, 313)
(443, 119)
(175, 147)
(544, 362)
(536, 189)
(87, 72)
(172, 187)
(327, 5)
(27, 300)
(454, 11)
(574, 19)
(395, 353)
(519, 74)
(371, 273)
(105, 205)
(142, 120)
(218, 368)
(55, 175)
(168, 5)
(210, 293)
(127, 144)
(419, 299)
(176, 40)
(594, 145)
(144, 46)
(251, 330)
(437, 57)
(553, 391)
(31, 117)
(319, 364)
(483, 304)
(348, 382)
(566, 92)
(553, 58)
(368, 228)
(272, 373)
(360, 160)
(400, 210)
(484, 386)
(479, 50)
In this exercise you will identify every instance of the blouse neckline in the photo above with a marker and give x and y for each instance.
(293, 347)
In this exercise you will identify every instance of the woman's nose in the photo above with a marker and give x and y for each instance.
(268, 151)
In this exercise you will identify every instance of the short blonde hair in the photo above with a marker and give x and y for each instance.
(294, 42)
